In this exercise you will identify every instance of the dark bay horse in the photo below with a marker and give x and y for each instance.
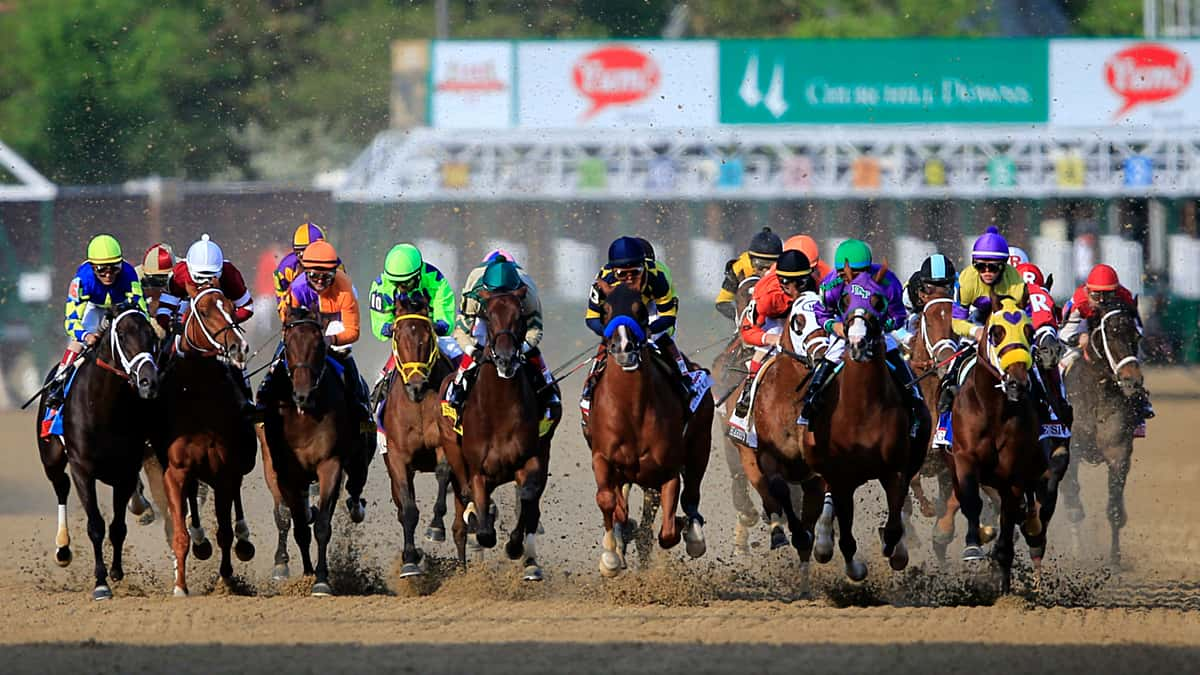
(861, 432)
(313, 434)
(995, 440)
(502, 439)
(779, 459)
(204, 436)
(728, 371)
(411, 423)
(1105, 388)
(642, 433)
(105, 428)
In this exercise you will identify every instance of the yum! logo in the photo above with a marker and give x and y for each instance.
(1147, 73)
(615, 75)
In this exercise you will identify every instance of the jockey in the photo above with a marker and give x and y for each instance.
(808, 246)
(765, 248)
(1045, 318)
(627, 265)
(155, 272)
(653, 262)
(499, 273)
(1102, 286)
(103, 281)
(857, 256)
(204, 266)
(936, 270)
(289, 267)
(405, 272)
(326, 290)
(763, 329)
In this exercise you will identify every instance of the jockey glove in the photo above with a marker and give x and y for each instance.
(386, 330)
(440, 327)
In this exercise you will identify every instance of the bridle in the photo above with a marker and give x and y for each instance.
(130, 366)
(489, 352)
(212, 337)
(932, 349)
(318, 369)
(1114, 365)
(410, 369)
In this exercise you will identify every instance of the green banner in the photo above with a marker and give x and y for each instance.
(884, 81)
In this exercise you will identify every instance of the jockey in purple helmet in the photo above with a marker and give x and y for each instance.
(856, 255)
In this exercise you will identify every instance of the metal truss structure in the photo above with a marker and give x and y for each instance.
(31, 186)
(775, 163)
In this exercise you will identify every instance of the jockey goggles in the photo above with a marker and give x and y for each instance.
(107, 269)
(628, 273)
(155, 281)
(994, 267)
(322, 276)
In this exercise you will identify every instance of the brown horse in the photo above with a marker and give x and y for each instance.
(204, 436)
(779, 459)
(641, 432)
(995, 439)
(503, 438)
(1105, 387)
(105, 427)
(411, 422)
(728, 371)
(861, 432)
(312, 433)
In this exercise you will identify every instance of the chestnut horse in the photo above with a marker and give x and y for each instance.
(500, 441)
(995, 428)
(779, 460)
(861, 432)
(1105, 387)
(204, 436)
(411, 423)
(642, 433)
(313, 434)
(104, 432)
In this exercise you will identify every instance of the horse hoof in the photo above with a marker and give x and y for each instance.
(244, 550)
(899, 559)
(541, 529)
(179, 592)
(986, 534)
(116, 573)
(280, 572)
(435, 533)
(322, 590)
(610, 564)
(532, 573)
(973, 553)
(357, 509)
(146, 518)
(779, 539)
(202, 550)
(410, 570)
(63, 556)
(514, 549)
(486, 539)
(856, 570)
(473, 544)
(312, 514)
(693, 537)
(1036, 553)
(102, 592)
(748, 519)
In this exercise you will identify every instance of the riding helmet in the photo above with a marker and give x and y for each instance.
(990, 246)
(305, 235)
(204, 260)
(501, 276)
(403, 263)
(320, 255)
(792, 264)
(1031, 274)
(1017, 256)
(854, 252)
(626, 252)
(104, 249)
(647, 248)
(1103, 278)
(766, 244)
(805, 244)
(159, 260)
(937, 269)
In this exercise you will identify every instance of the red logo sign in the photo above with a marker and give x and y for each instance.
(1147, 73)
(614, 76)
(470, 78)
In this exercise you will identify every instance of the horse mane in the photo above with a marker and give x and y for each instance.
(625, 301)
(416, 302)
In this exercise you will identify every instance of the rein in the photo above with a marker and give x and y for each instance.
(209, 336)
(318, 368)
(410, 369)
(932, 348)
(1114, 365)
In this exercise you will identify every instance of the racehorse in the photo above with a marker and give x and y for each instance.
(862, 431)
(104, 433)
(312, 433)
(411, 423)
(204, 436)
(779, 459)
(503, 437)
(641, 432)
(1104, 387)
(995, 439)
(728, 371)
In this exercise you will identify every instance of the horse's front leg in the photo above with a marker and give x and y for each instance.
(843, 506)
(54, 462)
(966, 490)
(243, 548)
(280, 511)
(174, 481)
(201, 547)
(1011, 502)
(117, 530)
(223, 503)
(481, 494)
(531, 481)
(329, 478)
(85, 486)
(1117, 459)
(401, 474)
(669, 534)
(437, 525)
(943, 527)
(896, 488)
(612, 560)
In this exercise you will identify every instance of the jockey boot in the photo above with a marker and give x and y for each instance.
(949, 386)
(354, 387)
(245, 398)
(593, 375)
(668, 347)
(55, 391)
(456, 392)
(266, 389)
(908, 389)
(546, 387)
(1144, 409)
(812, 402)
(742, 408)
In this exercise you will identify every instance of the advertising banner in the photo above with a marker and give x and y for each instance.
(471, 85)
(1100, 83)
(569, 84)
(883, 81)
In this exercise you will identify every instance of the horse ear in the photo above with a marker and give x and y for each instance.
(484, 295)
(1050, 282)
(883, 270)
(521, 292)
(605, 287)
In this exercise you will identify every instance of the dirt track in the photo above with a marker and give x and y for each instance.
(717, 614)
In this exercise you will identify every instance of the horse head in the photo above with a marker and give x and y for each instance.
(1047, 348)
(1114, 341)
(937, 326)
(626, 324)
(210, 327)
(1008, 338)
(506, 328)
(304, 347)
(745, 293)
(863, 306)
(132, 344)
(414, 344)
